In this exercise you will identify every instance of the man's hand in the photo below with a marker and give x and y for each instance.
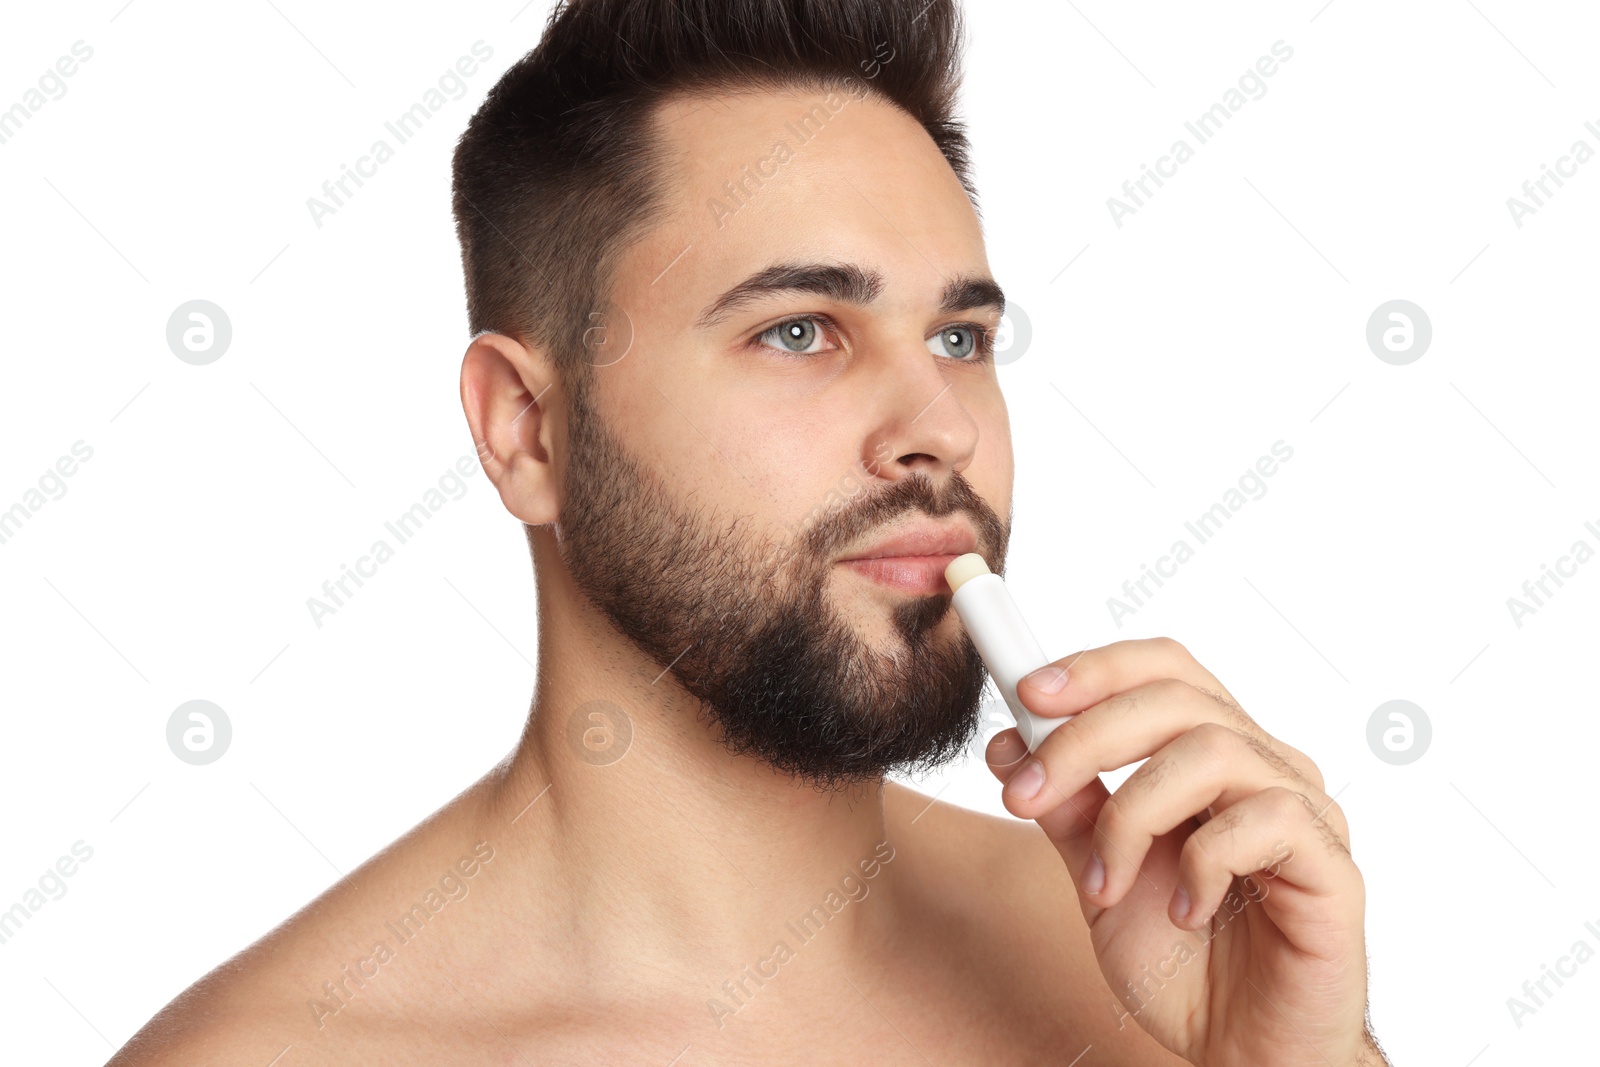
(1217, 882)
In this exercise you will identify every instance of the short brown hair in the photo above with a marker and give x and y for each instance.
(560, 169)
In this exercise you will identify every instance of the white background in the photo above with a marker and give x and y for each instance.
(1225, 315)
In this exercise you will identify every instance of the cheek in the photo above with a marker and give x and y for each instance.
(783, 443)
(782, 466)
(806, 470)
(809, 471)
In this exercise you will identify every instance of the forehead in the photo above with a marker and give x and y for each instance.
(756, 178)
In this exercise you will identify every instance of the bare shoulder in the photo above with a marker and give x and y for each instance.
(243, 1010)
(321, 986)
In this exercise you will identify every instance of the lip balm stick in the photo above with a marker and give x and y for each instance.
(1003, 640)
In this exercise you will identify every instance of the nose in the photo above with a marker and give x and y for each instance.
(920, 424)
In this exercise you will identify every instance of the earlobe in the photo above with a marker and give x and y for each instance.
(508, 393)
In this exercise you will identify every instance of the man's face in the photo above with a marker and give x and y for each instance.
(732, 457)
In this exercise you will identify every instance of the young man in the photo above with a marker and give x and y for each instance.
(731, 368)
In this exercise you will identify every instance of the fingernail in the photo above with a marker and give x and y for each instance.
(1094, 875)
(1047, 679)
(1180, 905)
(1026, 783)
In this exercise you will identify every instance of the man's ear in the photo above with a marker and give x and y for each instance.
(510, 393)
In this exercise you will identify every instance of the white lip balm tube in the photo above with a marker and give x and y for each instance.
(1002, 638)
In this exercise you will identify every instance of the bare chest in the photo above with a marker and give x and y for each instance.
(785, 1018)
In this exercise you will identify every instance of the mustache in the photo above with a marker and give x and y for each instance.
(834, 532)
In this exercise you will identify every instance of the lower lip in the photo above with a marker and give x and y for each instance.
(920, 575)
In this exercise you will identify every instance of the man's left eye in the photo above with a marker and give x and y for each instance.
(963, 342)
(797, 336)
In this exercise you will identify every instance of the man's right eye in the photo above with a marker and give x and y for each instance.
(797, 336)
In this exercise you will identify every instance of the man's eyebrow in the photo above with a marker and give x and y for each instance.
(845, 283)
(842, 282)
(971, 291)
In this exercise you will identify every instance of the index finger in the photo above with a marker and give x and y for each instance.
(1098, 673)
(1093, 676)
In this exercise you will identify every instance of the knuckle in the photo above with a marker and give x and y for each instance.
(1270, 756)
(1080, 733)
(1284, 804)
(1148, 778)
(1215, 740)
(1340, 818)
(1333, 829)
(1235, 713)
(1075, 728)
(1114, 816)
(1126, 702)
(1216, 838)
(1169, 647)
(1313, 772)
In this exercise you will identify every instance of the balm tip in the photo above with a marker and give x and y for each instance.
(964, 568)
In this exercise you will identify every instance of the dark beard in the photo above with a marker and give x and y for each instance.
(746, 626)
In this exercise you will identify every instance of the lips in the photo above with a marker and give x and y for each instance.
(921, 541)
(912, 561)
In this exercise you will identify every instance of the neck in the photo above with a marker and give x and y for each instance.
(621, 807)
